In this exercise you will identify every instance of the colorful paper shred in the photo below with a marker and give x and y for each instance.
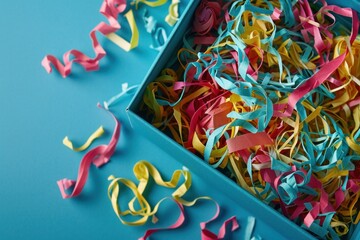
(268, 92)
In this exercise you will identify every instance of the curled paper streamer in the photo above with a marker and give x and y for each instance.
(206, 17)
(173, 15)
(98, 133)
(98, 156)
(205, 233)
(143, 171)
(125, 89)
(208, 235)
(177, 224)
(158, 34)
(155, 3)
(110, 9)
(249, 229)
(122, 43)
(271, 98)
(206, 21)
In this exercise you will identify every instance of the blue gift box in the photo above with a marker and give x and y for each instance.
(258, 209)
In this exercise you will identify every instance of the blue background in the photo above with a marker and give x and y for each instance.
(39, 109)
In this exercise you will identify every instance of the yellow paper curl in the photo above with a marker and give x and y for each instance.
(122, 43)
(143, 170)
(98, 133)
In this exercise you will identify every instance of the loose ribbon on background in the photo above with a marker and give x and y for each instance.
(143, 170)
(98, 133)
(125, 90)
(158, 34)
(173, 15)
(98, 156)
(110, 9)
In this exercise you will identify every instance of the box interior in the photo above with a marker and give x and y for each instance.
(197, 165)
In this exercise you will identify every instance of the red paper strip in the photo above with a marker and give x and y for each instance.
(219, 115)
(177, 224)
(110, 9)
(313, 82)
(248, 140)
(99, 156)
(208, 235)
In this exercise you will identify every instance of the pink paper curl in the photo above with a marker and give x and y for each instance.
(110, 9)
(99, 156)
